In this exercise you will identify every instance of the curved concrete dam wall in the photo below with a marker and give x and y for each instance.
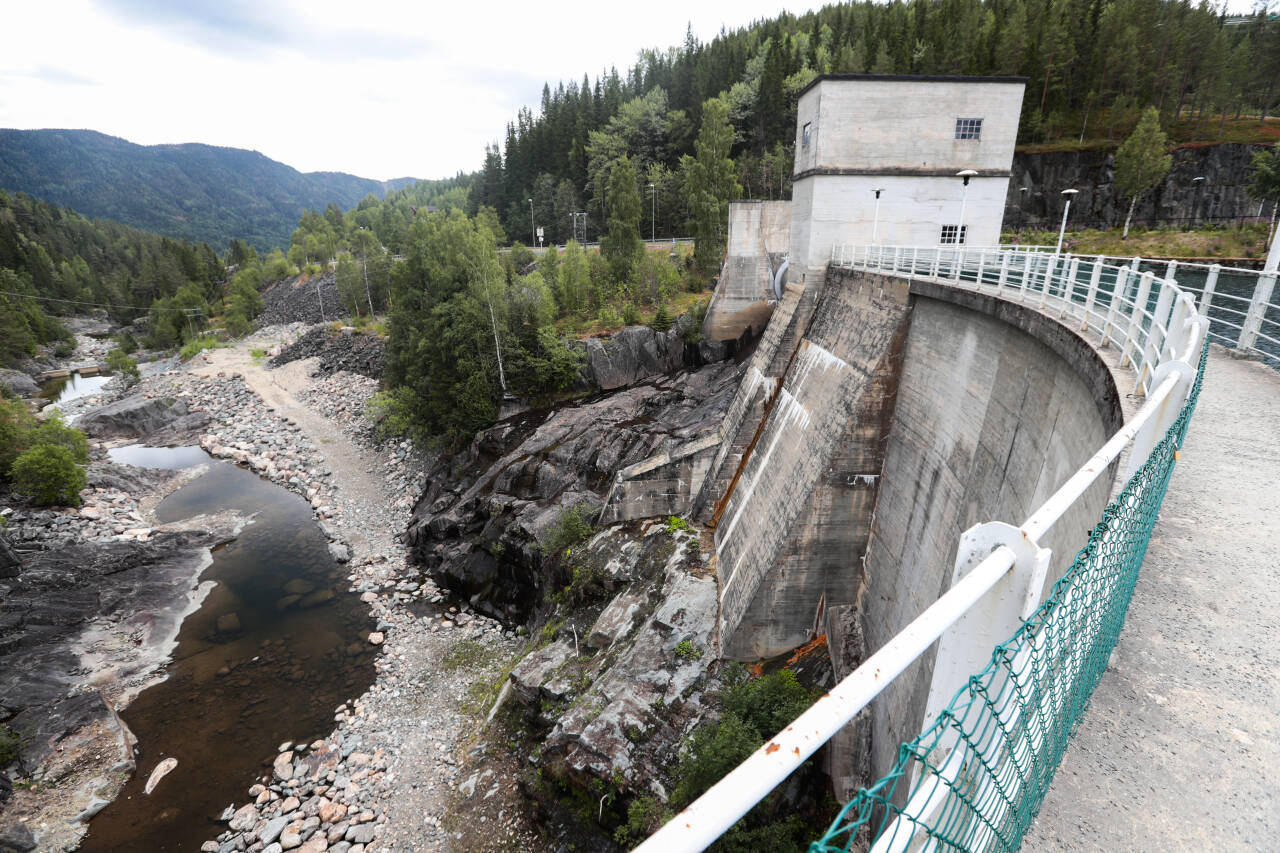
(909, 412)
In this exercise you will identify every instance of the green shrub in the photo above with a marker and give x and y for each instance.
(9, 744)
(195, 346)
(686, 650)
(645, 815)
(258, 354)
(394, 413)
(573, 525)
(16, 424)
(609, 318)
(123, 365)
(630, 314)
(55, 432)
(714, 750)
(48, 473)
(127, 343)
(64, 349)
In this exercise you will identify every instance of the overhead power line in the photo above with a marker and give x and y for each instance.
(104, 304)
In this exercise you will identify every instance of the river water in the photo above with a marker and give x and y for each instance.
(234, 692)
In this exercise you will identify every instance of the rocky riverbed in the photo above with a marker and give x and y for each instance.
(419, 761)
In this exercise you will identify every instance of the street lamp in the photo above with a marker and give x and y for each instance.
(1062, 230)
(532, 238)
(653, 214)
(1022, 206)
(964, 198)
(875, 223)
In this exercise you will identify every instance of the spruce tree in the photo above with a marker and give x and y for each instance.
(712, 182)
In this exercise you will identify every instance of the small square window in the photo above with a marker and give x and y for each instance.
(805, 134)
(953, 234)
(968, 128)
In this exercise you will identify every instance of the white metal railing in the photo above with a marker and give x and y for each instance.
(1000, 570)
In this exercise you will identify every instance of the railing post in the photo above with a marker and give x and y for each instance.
(937, 260)
(1069, 287)
(1092, 296)
(1257, 310)
(897, 250)
(1135, 319)
(982, 265)
(1171, 271)
(915, 259)
(965, 647)
(1026, 278)
(1117, 293)
(1004, 272)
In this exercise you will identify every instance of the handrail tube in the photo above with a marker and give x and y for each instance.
(724, 803)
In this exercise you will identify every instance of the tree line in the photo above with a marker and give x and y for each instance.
(74, 264)
(1093, 67)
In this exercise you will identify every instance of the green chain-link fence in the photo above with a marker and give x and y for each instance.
(982, 769)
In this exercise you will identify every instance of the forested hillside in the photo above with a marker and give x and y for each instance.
(1092, 67)
(74, 264)
(193, 192)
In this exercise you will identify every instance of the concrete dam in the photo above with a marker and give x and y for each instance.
(876, 421)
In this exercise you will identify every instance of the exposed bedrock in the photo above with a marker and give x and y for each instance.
(479, 527)
(140, 417)
(133, 591)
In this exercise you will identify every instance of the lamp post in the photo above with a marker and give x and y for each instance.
(1062, 230)
(875, 223)
(1022, 206)
(1197, 182)
(653, 214)
(532, 237)
(966, 174)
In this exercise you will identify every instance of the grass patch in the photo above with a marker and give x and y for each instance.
(468, 655)
(258, 354)
(1245, 241)
(195, 346)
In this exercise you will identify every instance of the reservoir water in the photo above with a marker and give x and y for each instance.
(239, 685)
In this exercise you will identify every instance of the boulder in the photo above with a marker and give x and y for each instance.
(19, 383)
(631, 354)
(138, 417)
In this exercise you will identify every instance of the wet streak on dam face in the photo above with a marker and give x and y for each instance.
(909, 412)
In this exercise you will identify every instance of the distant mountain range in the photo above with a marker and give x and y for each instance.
(200, 192)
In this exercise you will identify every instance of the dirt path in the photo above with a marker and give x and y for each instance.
(363, 492)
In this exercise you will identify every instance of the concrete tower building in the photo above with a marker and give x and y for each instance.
(907, 137)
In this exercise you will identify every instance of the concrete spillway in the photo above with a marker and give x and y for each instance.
(881, 418)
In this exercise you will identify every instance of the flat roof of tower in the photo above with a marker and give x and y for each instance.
(911, 78)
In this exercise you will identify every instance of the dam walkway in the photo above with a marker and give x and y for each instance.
(1180, 747)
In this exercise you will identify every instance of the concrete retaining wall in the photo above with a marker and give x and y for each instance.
(759, 233)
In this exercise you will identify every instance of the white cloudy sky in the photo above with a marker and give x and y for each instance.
(378, 88)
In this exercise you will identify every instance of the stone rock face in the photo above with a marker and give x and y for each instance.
(1226, 169)
(9, 562)
(479, 527)
(631, 354)
(19, 383)
(616, 709)
(140, 417)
